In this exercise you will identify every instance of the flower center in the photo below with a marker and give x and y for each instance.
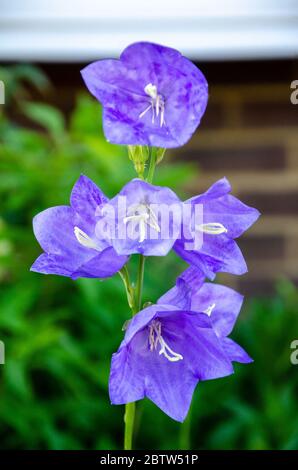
(213, 228)
(157, 104)
(142, 215)
(84, 239)
(156, 339)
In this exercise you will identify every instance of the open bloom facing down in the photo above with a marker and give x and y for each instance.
(151, 96)
(224, 218)
(67, 236)
(171, 346)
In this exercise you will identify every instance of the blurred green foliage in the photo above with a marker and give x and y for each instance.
(59, 334)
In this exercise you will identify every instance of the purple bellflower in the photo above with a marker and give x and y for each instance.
(224, 219)
(171, 346)
(67, 234)
(151, 96)
(144, 219)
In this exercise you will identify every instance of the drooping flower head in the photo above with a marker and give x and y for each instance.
(143, 218)
(67, 234)
(151, 96)
(171, 346)
(224, 219)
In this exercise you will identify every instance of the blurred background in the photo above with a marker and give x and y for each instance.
(59, 335)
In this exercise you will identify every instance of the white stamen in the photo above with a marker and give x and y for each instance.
(155, 338)
(157, 104)
(210, 309)
(142, 215)
(144, 112)
(84, 239)
(212, 228)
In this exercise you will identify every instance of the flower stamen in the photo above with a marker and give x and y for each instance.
(84, 239)
(156, 338)
(157, 104)
(142, 214)
(212, 228)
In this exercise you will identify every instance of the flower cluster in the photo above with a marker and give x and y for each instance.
(153, 96)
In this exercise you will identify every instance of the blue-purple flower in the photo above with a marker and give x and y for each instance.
(151, 96)
(144, 219)
(171, 346)
(224, 219)
(67, 234)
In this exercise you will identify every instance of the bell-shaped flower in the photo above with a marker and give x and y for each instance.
(67, 234)
(207, 239)
(171, 346)
(151, 96)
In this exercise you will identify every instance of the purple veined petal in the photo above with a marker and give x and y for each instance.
(112, 78)
(218, 189)
(86, 199)
(105, 264)
(151, 63)
(218, 254)
(53, 264)
(126, 382)
(187, 284)
(224, 304)
(235, 352)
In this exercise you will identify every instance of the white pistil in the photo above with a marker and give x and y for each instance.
(210, 309)
(142, 214)
(157, 104)
(212, 228)
(156, 338)
(84, 239)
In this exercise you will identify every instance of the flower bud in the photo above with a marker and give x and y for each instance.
(138, 154)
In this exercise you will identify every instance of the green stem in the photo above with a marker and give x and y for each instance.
(139, 288)
(129, 418)
(152, 164)
(134, 297)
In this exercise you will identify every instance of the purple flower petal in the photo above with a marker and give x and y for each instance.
(103, 265)
(225, 302)
(235, 352)
(86, 200)
(218, 254)
(52, 264)
(187, 284)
